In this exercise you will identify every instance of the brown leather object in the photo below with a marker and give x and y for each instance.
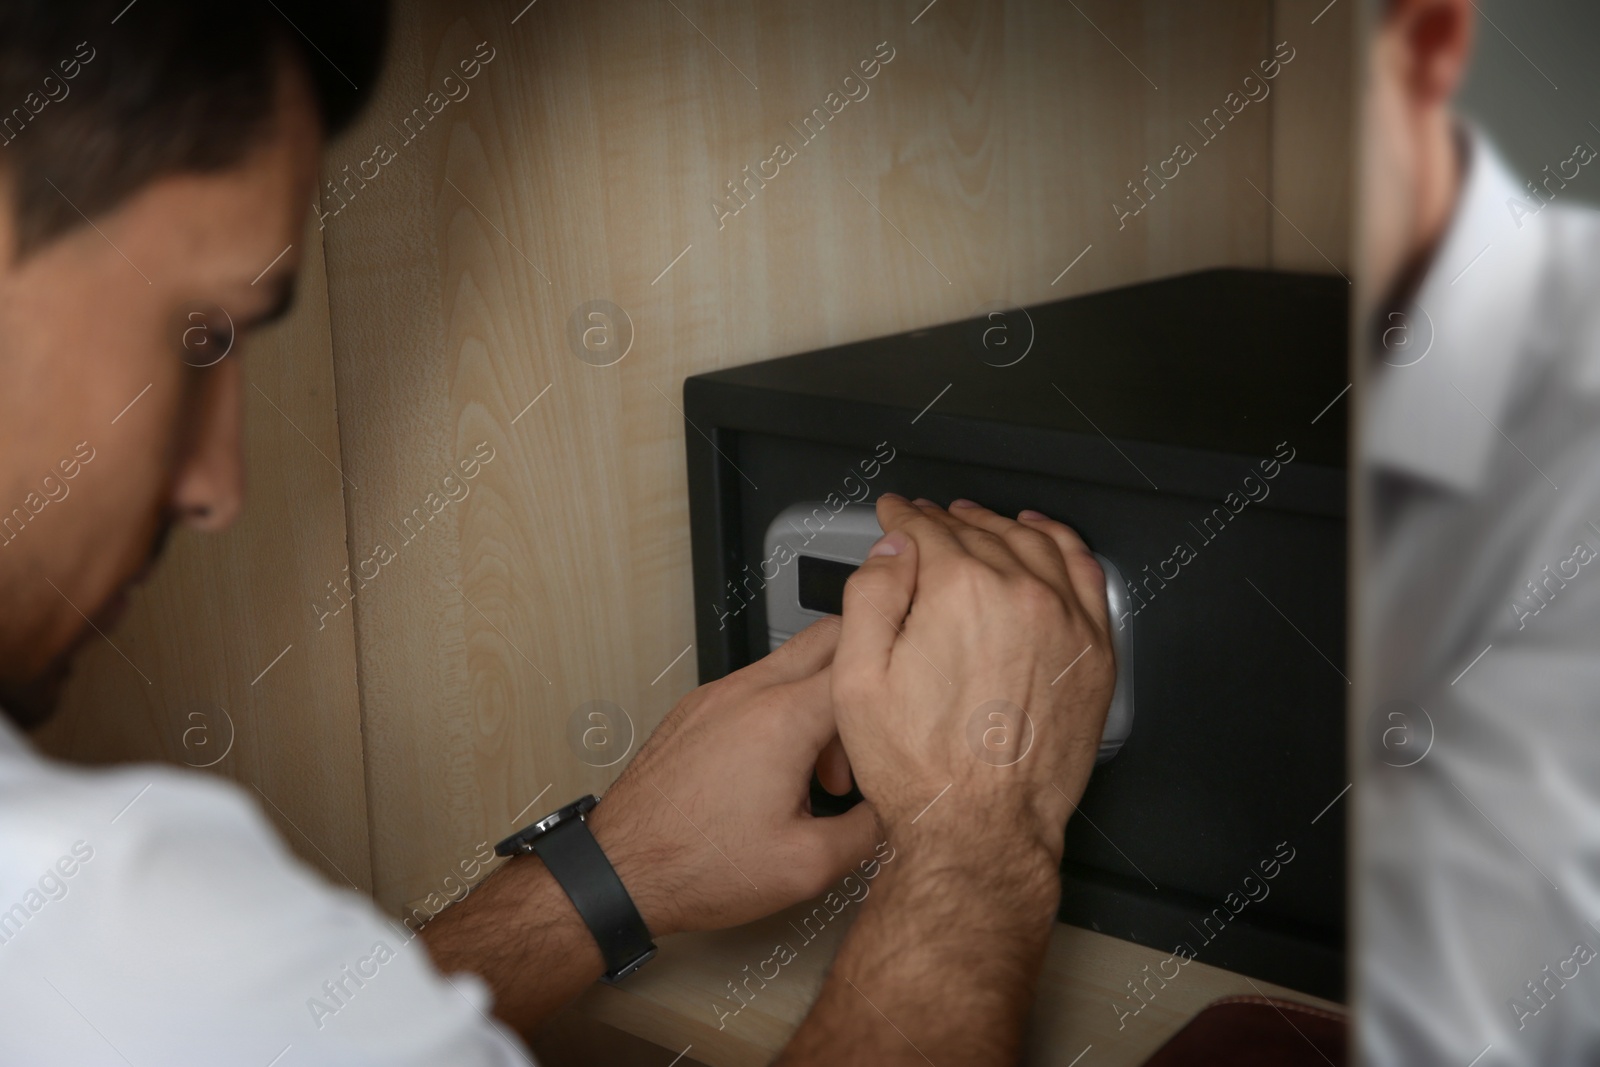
(1257, 1032)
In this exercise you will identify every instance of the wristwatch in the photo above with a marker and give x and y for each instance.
(570, 852)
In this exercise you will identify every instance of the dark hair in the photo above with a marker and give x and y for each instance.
(100, 97)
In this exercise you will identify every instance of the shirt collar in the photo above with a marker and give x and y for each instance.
(1437, 418)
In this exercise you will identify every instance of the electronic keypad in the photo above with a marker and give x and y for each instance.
(815, 550)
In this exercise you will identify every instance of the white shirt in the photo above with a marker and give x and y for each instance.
(1477, 860)
(150, 916)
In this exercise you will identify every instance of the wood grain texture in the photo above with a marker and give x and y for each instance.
(221, 608)
(1313, 135)
(572, 1039)
(683, 996)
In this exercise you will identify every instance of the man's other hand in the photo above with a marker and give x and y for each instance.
(972, 680)
(710, 825)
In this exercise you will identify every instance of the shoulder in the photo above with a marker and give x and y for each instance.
(116, 861)
(1572, 240)
(162, 904)
(1564, 332)
(109, 815)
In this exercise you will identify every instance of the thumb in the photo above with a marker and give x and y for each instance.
(876, 600)
(808, 720)
(846, 840)
(800, 657)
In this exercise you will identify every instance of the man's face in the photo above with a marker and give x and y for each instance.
(110, 428)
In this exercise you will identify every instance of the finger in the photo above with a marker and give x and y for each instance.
(808, 721)
(1035, 549)
(833, 768)
(844, 840)
(809, 731)
(1083, 570)
(802, 656)
(937, 544)
(979, 543)
(876, 599)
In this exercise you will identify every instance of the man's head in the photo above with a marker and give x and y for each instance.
(1410, 163)
(156, 162)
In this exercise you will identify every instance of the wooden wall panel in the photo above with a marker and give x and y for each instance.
(1313, 136)
(222, 608)
(583, 166)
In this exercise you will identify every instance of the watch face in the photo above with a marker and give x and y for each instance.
(523, 840)
(576, 810)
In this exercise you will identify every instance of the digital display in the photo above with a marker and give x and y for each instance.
(822, 584)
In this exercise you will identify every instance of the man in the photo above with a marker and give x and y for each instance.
(161, 154)
(1478, 765)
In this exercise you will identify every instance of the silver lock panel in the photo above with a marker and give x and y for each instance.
(814, 549)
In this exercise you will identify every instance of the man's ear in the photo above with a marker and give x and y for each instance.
(1438, 42)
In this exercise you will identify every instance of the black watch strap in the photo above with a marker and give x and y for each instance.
(572, 855)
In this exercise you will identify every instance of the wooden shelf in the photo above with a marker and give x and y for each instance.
(678, 999)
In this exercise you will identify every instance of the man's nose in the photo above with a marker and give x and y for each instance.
(208, 487)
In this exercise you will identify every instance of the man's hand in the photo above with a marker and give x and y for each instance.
(710, 825)
(971, 687)
(949, 679)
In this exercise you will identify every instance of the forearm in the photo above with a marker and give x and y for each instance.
(941, 962)
(754, 735)
(521, 934)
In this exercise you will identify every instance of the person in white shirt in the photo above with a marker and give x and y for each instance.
(1477, 843)
(159, 155)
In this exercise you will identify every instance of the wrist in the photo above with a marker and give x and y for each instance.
(1019, 866)
(547, 908)
(1011, 830)
(639, 868)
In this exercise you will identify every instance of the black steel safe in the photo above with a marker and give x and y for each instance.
(1148, 418)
